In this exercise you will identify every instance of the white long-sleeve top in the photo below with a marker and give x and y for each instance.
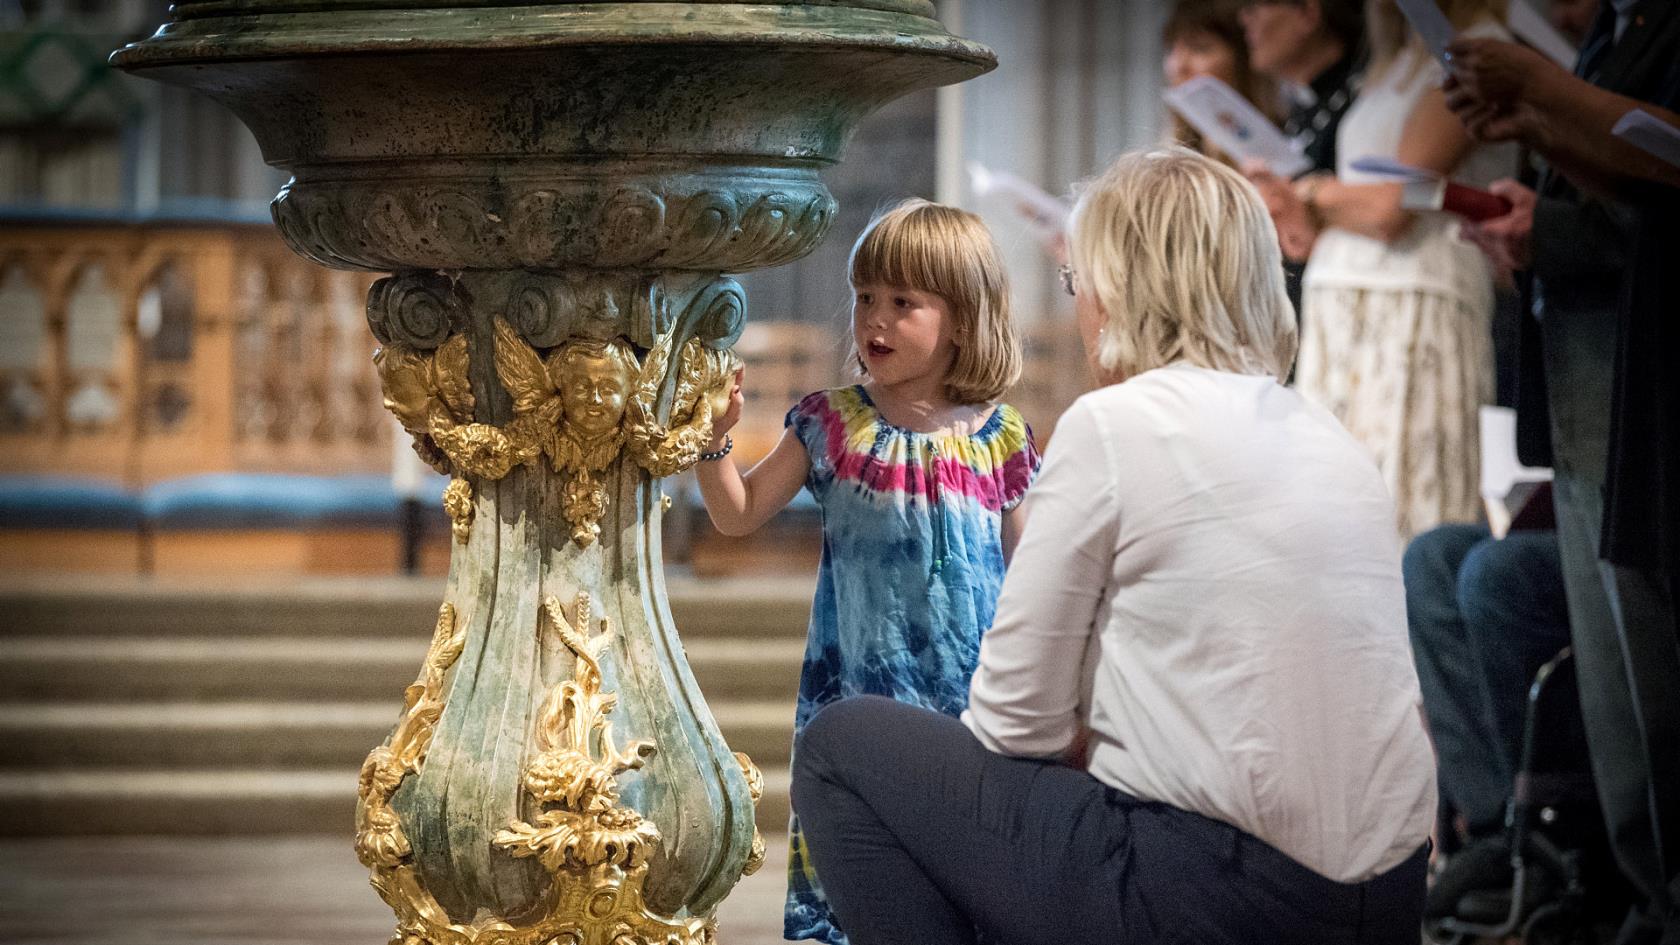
(1209, 580)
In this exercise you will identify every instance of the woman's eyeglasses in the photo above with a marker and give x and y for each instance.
(1066, 272)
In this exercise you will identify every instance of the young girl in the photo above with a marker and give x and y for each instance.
(919, 475)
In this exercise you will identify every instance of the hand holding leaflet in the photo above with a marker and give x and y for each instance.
(1044, 213)
(1431, 25)
(1426, 190)
(1650, 134)
(1046, 216)
(1235, 126)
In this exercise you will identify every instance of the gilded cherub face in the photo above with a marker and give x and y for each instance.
(594, 387)
(402, 378)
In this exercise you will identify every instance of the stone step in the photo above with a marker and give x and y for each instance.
(395, 607)
(154, 669)
(221, 801)
(271, 734)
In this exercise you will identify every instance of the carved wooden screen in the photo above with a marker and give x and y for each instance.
(139, 353)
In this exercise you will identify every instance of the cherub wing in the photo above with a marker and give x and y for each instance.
(521, 370)
(450, 377)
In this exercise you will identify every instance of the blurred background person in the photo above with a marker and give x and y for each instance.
(1204, 38)
(1315, 48)
(1599, 237)
(1397, 307)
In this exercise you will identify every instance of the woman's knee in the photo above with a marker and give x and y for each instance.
(826, 745)
(839, 727)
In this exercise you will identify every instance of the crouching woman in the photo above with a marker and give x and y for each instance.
(1195, 717)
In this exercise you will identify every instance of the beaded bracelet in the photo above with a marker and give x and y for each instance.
(728, 444)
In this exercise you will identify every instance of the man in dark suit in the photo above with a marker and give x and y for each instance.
(1592, 239)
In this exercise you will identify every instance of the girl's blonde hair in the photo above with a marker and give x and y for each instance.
(1180, 252)
(1387, 34)
(948, 252)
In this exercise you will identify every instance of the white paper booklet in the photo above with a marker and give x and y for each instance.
(1431, 24)
(1235, 126)
(1650, 134)
(1502, 471)
(1047, 215)
(1528, 25)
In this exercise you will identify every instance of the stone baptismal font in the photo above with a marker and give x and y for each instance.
(559, 191)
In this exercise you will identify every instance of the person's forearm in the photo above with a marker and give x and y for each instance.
(1367, 209)
(740, 502)
(1574, 119)
(727, 495)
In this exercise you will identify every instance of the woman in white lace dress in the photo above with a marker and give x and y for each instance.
(1396, 337)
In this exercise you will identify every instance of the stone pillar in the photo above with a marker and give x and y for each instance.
(559, 190)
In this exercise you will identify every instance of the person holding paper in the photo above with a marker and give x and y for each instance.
(1203, 38)
(1397, 312)
(1316, 48)
(1601, 361)
(1506, 92)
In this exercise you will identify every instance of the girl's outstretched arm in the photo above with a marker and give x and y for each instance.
(738, 504)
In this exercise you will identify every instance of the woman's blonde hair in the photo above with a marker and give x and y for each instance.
(1180, 253)
(948, 252)
(1387, 34)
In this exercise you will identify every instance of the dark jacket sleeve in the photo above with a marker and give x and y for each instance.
(1577, 237)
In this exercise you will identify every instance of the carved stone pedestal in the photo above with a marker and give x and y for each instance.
(559, 190)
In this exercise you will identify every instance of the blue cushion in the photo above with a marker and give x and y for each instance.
(65, 502)
(270, 500)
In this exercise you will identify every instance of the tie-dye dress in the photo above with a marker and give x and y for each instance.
(912, 561)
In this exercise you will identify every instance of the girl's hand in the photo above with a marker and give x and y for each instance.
(731, 416)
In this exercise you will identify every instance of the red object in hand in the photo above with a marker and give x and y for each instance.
(1473, 204)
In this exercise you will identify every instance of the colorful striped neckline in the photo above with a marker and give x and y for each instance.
(987, 430)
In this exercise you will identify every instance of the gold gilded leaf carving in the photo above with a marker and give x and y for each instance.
(705, 377)
(458, 505)
(380, 843)
(755, 789)
(596, 848)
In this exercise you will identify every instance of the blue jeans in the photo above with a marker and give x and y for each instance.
(1484, 615)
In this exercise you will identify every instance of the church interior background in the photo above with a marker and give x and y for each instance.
(219, 563)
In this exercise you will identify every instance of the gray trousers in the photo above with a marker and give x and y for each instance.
(1621, 619)
(923, 836)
